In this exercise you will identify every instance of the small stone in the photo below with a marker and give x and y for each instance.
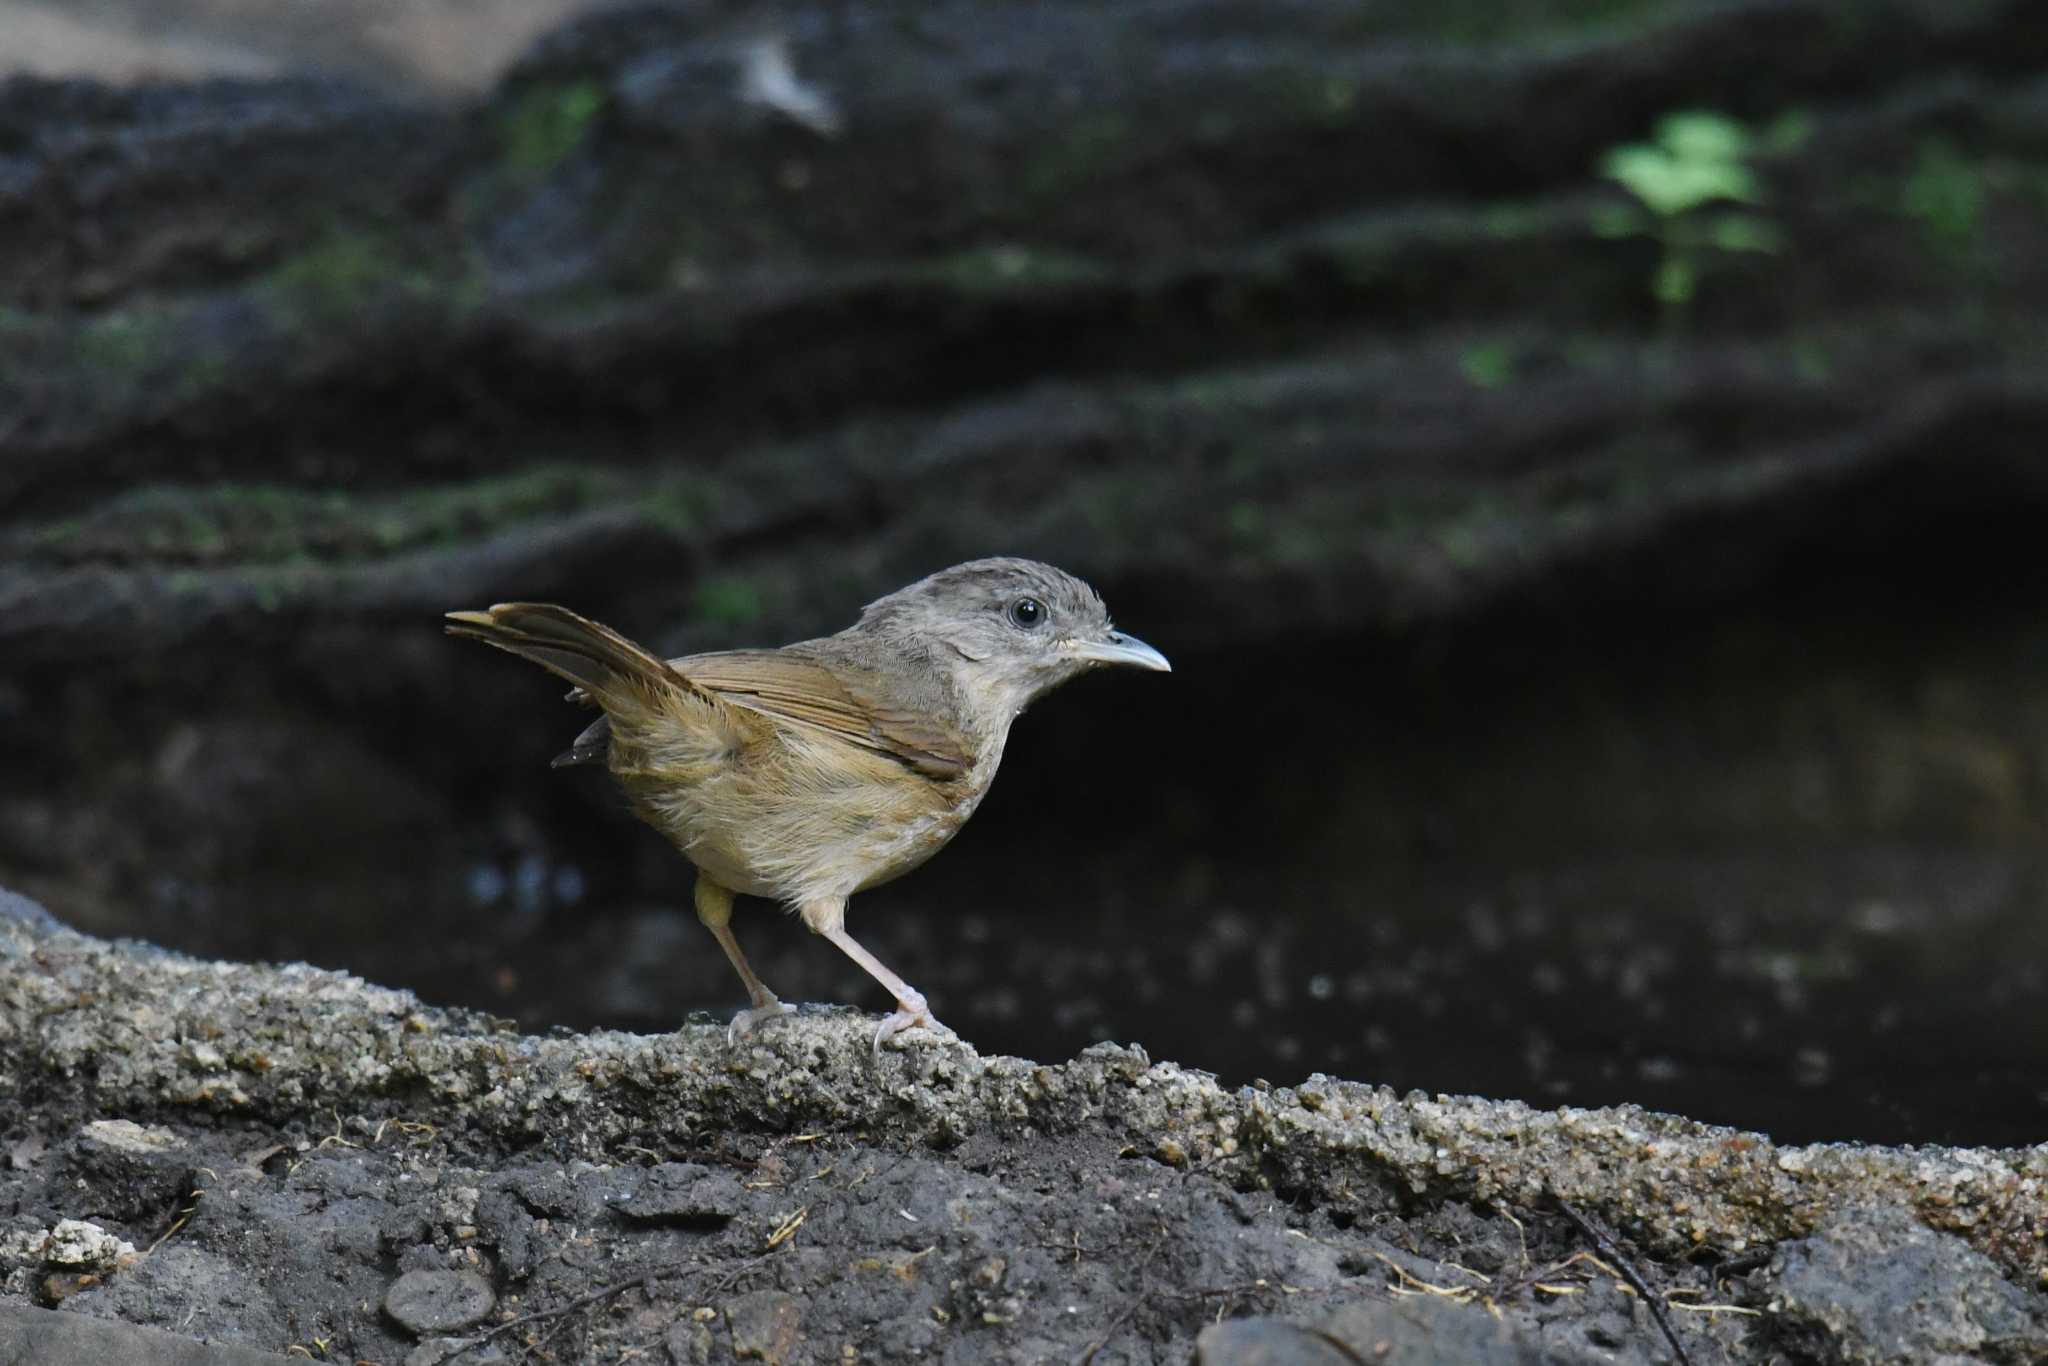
(1266, 1342)
(74, 1242)
(1413, 1332)
(457, 1352)
(52, 1337)
(766, 1326)
(685, 1195)
(424, 1302)
(689, 1343)
(23, 1247)
(62, 1285)
(126, 1136)
(1878, 1285)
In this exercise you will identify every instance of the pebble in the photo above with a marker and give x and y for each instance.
(766, 1326)
(425, 1302)
(457, 1352)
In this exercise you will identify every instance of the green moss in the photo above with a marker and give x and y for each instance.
(679, 505)
(464, 511)
(1246, 521)
(1079, 156)
(125, 342)
(1313, 98)
(548, 122)
(1786, 134)
(1465, 543)
(200, 372)
(727, 601)
(1488, 365)
(136, 356)
(1362, 257)
(1111, 502)
(268, 524)
(1945, 191)
(1490, 24)
(355, 270)
(1291, 536)
(1811, 361)
(1510, 220)
(1590, 355)
(341, 265)
(1003, 269)
(332, 279)
(1222, 391)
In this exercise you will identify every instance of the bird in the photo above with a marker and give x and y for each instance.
(810, 772)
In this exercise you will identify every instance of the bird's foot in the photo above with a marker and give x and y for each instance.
(747, 1021)
(911, 1014)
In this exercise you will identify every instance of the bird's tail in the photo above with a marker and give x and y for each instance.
(610, 669)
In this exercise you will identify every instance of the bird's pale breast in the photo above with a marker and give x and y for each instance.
(781, 810)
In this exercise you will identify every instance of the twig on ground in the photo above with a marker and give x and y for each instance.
(648, 1278)
(1626, 1270)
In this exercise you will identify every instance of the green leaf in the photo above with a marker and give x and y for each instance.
(1669, 186)
(1698, 135)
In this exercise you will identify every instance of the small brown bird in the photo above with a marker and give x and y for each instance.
(830, 766)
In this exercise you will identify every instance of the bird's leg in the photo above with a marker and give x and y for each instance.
(714, 908)
(828, 918)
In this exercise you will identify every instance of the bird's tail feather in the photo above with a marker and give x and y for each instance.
(611, 669)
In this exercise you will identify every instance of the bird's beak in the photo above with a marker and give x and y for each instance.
(1118, 648)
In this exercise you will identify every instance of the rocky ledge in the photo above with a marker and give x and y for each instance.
(287, 1160)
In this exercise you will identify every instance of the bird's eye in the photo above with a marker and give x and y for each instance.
(1028, 613)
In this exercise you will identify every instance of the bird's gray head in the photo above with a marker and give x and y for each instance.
(1014, 629)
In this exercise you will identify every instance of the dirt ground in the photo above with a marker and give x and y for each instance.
(296, 1161)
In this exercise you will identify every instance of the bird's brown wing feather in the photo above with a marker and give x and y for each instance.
(848, 702)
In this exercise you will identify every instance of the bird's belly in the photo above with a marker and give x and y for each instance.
(728, 867)
(897, 853)
(791, 837)
(871, 843)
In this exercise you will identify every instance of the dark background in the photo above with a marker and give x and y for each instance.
(1607, 628)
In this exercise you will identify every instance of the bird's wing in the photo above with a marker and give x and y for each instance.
(846, 701)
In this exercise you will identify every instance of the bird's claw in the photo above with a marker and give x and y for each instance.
(911, 1014)
(752, 1018)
